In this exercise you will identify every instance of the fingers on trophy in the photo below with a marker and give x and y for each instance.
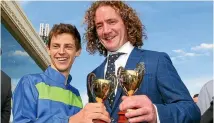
(130, 81)
(101, 89)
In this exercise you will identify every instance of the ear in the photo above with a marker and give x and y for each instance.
(48, 50)
(78, 52)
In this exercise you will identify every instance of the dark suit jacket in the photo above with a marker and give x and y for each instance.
(207, 117)
(161, 84)
(5, 97)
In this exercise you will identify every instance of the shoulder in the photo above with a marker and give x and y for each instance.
(207, 88)
(209, 84)
(27, 83)
(154, 53)
(31, 79)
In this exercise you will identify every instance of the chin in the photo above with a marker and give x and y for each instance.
(62, 69)
(112, 49)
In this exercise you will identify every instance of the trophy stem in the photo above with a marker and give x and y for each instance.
(121, 117)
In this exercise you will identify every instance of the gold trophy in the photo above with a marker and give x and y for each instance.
(130, 81)
(101, 88)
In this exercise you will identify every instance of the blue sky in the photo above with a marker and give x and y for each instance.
(184, 30)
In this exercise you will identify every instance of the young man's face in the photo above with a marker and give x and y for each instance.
(62, 52)
(110, 28)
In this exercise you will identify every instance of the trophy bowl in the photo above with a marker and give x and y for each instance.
(130, 81)
(101, 88)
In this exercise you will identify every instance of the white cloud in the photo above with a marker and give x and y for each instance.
(192, 54)
(203, 46)
(182, 55)
(19, 53)
(202, 50)
(178, 51)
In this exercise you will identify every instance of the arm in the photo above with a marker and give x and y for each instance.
(179, 106)
(91, 113)
(25, 101)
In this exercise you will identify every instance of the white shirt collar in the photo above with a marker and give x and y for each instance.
(126, 48)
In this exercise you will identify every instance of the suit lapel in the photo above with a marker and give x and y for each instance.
(132, 61)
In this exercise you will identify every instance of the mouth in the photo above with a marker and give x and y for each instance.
(109, 38)
(62, 59)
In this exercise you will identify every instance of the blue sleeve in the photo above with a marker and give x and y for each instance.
(25, 99)
(77, 109)
(179, 106)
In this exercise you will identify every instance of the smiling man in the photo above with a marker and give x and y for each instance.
(116, 32)
(48, 97)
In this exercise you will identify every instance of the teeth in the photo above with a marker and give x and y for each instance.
(109, 38)
(61, 59)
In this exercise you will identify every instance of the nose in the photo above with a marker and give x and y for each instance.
(61, 50)
(106, 29)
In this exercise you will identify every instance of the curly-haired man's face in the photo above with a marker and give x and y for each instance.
(110, 28)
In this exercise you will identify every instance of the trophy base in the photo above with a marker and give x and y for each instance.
(121, 117)
(98, 121)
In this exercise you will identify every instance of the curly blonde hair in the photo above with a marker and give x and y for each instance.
(135, 29)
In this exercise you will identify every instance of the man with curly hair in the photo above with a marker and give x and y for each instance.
(114, 28)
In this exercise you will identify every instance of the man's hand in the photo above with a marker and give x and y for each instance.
(91, 111)
(144, 110)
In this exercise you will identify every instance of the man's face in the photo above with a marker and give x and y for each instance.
(62, 52)
(110, 28)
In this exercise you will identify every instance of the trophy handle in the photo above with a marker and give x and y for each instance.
(113, 83)
(120, 77)
(91, 78)
(120, 69)
(140, 68)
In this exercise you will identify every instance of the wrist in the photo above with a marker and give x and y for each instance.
(75, 118)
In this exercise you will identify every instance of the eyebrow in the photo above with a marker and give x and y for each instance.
(98, 23)
(70, 44)
(64, 44)
(55, 44)
(107, 20)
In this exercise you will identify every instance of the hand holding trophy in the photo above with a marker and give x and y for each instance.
(130, 81)
(101, 88)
